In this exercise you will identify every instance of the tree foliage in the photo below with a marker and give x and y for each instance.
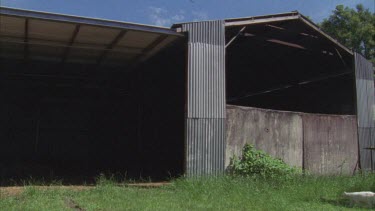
(354, 28)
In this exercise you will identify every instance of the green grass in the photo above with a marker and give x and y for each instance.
(224, 193)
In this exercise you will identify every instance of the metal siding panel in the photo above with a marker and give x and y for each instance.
(365, 155)
(365, 108)
(205, 147)
(206, 69)
(206, 111)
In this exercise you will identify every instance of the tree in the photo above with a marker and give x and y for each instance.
(354, 28)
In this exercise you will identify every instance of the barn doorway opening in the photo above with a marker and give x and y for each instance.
(73, 122)
(81, 97)
(288, 65)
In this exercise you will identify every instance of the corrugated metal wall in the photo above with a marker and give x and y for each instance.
(365, 109)
(205, 114)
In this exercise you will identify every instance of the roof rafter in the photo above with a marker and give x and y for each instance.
(113, 43)
(26, 40)
(149, 48)
(71, 42)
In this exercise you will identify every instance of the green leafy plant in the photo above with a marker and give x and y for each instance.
(257, 163)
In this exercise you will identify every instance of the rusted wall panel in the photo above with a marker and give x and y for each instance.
(277, 133)
(330, 144)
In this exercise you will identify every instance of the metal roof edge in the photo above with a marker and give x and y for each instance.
(178, 25)
(86, 20)
(294, 15)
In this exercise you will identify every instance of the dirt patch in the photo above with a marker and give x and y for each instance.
(10, 191)
(15, 191)
(148, 185)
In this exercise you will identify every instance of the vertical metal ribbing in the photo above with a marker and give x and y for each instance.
(206, 69)
(365, 108)
(205, 115)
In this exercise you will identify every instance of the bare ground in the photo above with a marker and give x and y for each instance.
(17, 190)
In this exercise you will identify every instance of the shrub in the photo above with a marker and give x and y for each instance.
(257, 163)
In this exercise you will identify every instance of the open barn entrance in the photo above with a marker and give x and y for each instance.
(80, 97)
(291, 92)
(287, 65)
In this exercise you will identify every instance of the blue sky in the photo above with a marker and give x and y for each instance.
(166, 12)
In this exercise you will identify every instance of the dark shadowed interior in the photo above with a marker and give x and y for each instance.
(72, 122)
(289, 66)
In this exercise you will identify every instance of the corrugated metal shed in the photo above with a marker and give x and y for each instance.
(34, 35)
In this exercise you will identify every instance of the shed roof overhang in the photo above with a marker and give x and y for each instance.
(63, 38)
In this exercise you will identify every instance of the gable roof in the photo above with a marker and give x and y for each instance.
(278, 18)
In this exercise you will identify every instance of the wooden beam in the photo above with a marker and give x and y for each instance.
(276, 27)
(289, 44)
(235, 37)
(111, 45)
(291, 85)
(277, 41)
(283, 29)
(71, 41)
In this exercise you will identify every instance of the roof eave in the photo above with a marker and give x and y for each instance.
(84, 20)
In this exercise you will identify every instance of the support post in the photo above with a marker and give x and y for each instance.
(205, 116)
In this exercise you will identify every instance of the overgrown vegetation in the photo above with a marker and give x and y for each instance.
(256, 163)
(263, 187)
(221, 193)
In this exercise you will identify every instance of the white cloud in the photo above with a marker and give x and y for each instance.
(199, 15)
(161, 17)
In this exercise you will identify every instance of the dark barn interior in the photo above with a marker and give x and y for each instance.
(287, 65)
(72, 111)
